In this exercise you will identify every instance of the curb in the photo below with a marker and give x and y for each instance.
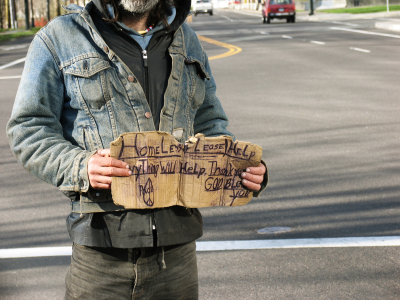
(12, 31)
(346, 16)
(395, 26)
(321, 16)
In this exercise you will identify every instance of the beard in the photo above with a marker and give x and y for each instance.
(138, 6)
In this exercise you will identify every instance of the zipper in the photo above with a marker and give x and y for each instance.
(146, 75)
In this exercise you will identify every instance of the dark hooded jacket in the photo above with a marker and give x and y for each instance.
(135, 228)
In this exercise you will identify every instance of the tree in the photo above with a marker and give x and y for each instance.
(1, 13)
(27, 25)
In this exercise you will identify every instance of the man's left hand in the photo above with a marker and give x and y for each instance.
(253, 177)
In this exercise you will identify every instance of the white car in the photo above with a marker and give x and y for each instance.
(203, 7)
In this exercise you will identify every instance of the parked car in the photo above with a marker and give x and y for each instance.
(279, 9)
(203, 7)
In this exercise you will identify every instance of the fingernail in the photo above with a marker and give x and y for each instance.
(130, 172)
(243, 174)
(248, 170)
(244, 181)
(127, 167)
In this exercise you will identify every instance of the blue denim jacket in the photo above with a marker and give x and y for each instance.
(77, 96)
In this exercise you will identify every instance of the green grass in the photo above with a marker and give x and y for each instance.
(362, 10)
(5, 37)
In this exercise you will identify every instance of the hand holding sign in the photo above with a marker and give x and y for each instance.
(253, 177)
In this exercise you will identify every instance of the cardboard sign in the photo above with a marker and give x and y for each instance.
(205, 171)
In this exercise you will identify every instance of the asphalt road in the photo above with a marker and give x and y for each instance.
(321, 98)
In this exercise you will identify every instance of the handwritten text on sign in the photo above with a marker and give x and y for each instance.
(205, 171)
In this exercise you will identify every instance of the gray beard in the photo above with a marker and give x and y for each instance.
(138, 6)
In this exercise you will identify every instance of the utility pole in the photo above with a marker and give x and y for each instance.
(311, 7)
(27, 25)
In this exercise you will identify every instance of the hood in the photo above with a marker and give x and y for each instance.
(182, 10)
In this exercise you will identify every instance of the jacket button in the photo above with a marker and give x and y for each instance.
(105, 49)
(131, 78)
(147, 114)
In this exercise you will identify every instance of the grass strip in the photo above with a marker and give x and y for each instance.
(5, 37)
(362, 10)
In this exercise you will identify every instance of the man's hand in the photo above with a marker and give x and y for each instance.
(253, 177)
(101, 167)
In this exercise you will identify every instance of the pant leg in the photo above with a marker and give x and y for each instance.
(100, 273)
(178, 281)
(110, 273)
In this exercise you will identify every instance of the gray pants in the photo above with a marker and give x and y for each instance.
(119, 274)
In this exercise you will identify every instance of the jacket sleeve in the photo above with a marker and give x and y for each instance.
(210, 118)
(35, 131)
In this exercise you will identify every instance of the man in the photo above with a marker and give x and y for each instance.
(91, 75)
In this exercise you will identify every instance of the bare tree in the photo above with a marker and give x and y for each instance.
(2, 13)
(27, 24)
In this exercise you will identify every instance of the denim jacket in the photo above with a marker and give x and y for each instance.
(76, 97)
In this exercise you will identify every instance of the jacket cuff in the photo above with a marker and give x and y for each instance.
(264, 182)
(81, 176)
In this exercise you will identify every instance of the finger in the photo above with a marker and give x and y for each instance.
(253, 178)
(100, 182)
(251, 185)
(99, 179)
(95, 167)
(97, 185)
(112, 171)
(111, 162)
(260, 170)
(104, 152)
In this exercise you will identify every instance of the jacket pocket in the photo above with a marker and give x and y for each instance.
(197, 83)
(89, 75)
(88, 138)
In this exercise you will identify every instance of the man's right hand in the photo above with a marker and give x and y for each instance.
(101, 167)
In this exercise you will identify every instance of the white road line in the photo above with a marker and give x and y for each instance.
(14, 47)
(248, 38)
(366, 32)
(35, 252)
(287, 37)
(361, 50)
(11, 77)
(342, 23)
(318, 43)
(377, 241)
(229, 19)
(13, 63)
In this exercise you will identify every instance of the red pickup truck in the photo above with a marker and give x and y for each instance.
(279, 9)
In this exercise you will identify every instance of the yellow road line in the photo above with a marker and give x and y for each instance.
(232, 49)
